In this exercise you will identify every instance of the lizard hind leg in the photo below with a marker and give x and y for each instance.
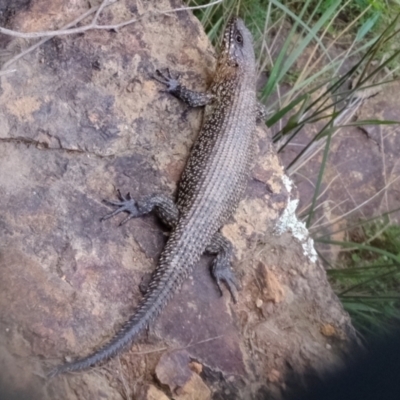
(163, 205)
(221, 269)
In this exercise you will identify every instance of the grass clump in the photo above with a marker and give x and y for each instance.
(375, 13)
(366, 276)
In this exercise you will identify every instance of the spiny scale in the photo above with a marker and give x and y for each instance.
(210, 189)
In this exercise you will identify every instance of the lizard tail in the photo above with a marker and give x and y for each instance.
(172, 269)
(126, 335)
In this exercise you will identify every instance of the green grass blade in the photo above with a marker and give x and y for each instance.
(320, 175)
(361, 247)
(309, 37)
(275, 72)
(281, 113)
(366, 27)
(370, 122)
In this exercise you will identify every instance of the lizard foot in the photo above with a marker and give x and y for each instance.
(167, 79)
(125, 204)
(222, 272)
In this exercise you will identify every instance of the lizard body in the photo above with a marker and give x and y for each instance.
(212, 184)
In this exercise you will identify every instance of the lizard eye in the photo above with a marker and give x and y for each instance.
(239, 38)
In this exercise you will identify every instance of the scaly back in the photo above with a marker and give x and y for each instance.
(217, 169)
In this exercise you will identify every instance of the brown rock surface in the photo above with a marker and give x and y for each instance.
(362, 173)
(81, 117)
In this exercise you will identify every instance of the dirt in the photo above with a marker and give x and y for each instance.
(81, 116)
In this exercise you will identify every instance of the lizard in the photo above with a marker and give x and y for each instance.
(211, 186)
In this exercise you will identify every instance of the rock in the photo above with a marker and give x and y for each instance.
(175, 371)
(81, 116)
(328, 330)
(196, 367)
(150, 392)
(194, 389)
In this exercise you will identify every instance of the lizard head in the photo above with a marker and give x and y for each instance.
(237, 45)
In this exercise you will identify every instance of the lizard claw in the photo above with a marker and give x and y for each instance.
(171, 82)
(125, 204)
(222, 273)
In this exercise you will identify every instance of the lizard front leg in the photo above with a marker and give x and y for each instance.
(163, 205)
(261, 112)
(190, 97)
